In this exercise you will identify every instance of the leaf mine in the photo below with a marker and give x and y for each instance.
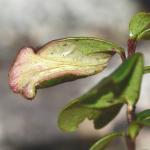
(57, 62)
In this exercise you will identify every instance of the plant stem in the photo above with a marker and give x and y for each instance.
(131, 47)
(130, 143)
(130, 117)
(123, 56)
(131, 114)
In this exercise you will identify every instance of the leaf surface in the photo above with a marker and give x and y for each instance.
(134, 130)
(104, 101)
(139, 27)
(75, 113)
(123, 85)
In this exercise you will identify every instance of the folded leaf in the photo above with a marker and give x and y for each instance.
(59, 61)
(139, 27)
(103, 142)
(107, 97)
(143, 118)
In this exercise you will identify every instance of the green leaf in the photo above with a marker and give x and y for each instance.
(106, 115)
(146, 69)
(134, 80)
(75, 113)
(134, 130)
(143, 118)
(59, 61)
(107, 97)
(139, 27)
(103, 142)
(123, 85)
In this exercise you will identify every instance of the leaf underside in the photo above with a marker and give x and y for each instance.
(57, 62)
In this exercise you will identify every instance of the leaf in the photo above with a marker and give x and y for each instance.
(106, 116)
(123, 85)
(139, 27)
(132, 91)
(103, 142)
(146, 69)
(59, 61)
(75, 113)
(106, 98)
(143, 118)
(134, 130)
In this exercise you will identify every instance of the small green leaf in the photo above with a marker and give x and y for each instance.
(107, 97)
(103, 142)
(146, 69)
(139, 27)
(59, 61)
(143, 118)
(134, 130)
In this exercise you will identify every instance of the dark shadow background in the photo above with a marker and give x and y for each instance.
(26, 125)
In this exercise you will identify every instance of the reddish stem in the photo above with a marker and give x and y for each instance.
(130, 143)
(123, 56)
(131, 47)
